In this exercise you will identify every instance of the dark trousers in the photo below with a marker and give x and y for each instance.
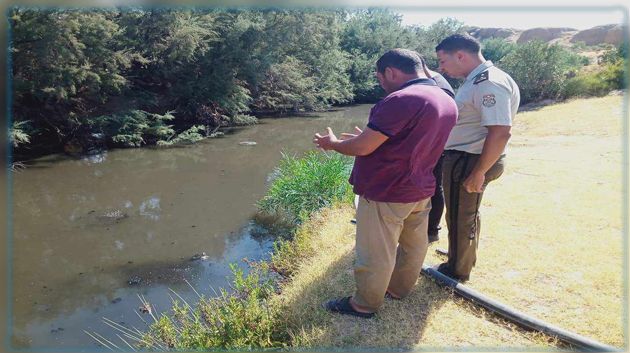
(437, 201)
(462, 208)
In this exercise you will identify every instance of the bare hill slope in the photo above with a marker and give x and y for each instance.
(607, 34)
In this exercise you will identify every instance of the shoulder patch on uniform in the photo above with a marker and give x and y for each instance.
(481, 77)
(489, 100)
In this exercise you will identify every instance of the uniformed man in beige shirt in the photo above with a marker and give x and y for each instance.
(487, 102)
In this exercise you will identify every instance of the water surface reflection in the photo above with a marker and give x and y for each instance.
(90, 234)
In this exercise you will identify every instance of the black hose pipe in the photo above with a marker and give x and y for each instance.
(519, 318)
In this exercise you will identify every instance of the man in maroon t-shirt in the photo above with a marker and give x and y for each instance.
(393, 175)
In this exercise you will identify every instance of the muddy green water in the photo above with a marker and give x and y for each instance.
(84, 229)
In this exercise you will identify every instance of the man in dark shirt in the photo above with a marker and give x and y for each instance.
(393, 176)
(437, 200)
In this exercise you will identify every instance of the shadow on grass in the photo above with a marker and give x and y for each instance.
(399, 324)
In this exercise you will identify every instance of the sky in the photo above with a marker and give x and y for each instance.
(522, 14)
(523, 18)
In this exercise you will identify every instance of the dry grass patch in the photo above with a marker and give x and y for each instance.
(551, 246)
(552, 236)
(431, 317)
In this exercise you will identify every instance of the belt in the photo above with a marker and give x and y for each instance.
(457, 152)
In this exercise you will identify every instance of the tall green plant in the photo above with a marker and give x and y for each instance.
(610, 75)
(17, 134)
(287, 87)
(301, 186)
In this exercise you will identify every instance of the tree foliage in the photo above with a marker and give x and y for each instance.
(73, 70)
(494, 49)
(615, 63)
(540, 69)
(148, 75)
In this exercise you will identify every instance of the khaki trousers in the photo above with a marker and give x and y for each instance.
(462, 208)
(391, 244)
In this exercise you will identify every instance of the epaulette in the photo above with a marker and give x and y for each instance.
(481, 77)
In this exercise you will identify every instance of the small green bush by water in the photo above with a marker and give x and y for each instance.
(193, 135)
(243, 319)
(132, 128)
(301, 186)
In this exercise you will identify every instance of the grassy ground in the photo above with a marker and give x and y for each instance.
(551, 246)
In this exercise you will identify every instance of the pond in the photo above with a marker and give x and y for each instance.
(93, 234)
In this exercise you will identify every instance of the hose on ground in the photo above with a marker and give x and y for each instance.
(515, 316)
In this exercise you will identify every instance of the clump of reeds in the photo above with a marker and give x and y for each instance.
(301, 186)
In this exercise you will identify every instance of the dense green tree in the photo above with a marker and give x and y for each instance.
(134, 76)
(428, 37)
(66, 66)
(367, 35)
(287, 87)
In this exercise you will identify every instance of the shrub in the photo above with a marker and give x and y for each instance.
(494, 49)
(18, 135)
(133, 128)
(243, 319)
(186, 137)
(301, 186)
(615, 62)
(287, 253)
(611, 75)
(615, 74)
(540, 69)
(585, 85)
(244, 119)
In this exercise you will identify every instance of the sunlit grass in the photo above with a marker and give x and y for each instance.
(551, 246)
(431, 317)
(551, 242)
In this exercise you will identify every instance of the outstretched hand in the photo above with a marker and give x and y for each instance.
(327, 141)
(347, 135)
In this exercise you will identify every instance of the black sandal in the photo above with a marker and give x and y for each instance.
(342, 306)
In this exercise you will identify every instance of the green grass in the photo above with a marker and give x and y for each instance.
(304, 185)
(243, 318)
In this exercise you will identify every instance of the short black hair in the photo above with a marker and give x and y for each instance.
(405, 60)
(456, 42)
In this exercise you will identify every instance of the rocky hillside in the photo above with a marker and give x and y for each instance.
(607, 34)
